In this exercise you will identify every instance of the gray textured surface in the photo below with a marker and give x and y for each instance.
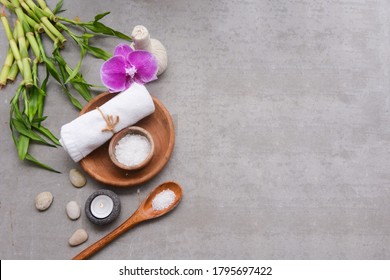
(282, 124)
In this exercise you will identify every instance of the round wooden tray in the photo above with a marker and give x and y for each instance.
(159, 124)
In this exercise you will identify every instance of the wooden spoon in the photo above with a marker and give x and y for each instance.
(144, 212)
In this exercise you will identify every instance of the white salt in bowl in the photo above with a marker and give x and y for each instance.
(131, 148)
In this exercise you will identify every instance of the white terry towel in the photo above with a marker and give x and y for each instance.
(84, 134)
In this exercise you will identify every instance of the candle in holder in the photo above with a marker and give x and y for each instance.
(102, 207)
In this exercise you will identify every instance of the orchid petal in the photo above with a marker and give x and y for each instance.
(113, 74)
(123, 50)
(146, 65)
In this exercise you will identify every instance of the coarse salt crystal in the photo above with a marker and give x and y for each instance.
(163, 200)
(132, 149)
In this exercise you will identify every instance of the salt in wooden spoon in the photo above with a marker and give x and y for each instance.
(144, 212)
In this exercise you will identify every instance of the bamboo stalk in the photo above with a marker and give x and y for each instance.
(46, 12)
(53, 30)
(50, 35)
(21, 15)
(28, 82)
(29, 11)
(13, 72)
(9, 59)
(12, 43)
(37, 19)
(35, 25)
(34, 46)
(7, 4)
(44, 19)
(45, 8)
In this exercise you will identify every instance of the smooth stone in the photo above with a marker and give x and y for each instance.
(78, 237)
(77, 178)
(73, 210)
(43, 200)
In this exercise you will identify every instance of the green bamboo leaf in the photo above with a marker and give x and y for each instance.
(26, 102)
(98, 53)
(101, 28)
(58, 7)
(47, 133)
(15, 99)
(52, 69)
(72, 99)
(100, 16)
(40, 164)
(83, 89)
(62, 65)
(16, 111)
(80, 80)
(41, 98)
(33, 104)
(87, 36)
(22, 146)
(38, 120)
(44, 83)
(76, 70)
(20, 127)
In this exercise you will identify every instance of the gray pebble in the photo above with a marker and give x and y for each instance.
(77, 178)
(43, 200)
(73, 210)
(78, 237)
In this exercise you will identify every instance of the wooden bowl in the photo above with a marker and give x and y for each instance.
(98, 164)
(135, 130)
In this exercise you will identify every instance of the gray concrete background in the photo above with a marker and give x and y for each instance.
(282, 124)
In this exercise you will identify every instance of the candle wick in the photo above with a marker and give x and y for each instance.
(101, 205)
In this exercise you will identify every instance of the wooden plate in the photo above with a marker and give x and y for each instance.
(159, 124)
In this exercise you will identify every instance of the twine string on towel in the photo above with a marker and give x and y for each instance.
(109, 121)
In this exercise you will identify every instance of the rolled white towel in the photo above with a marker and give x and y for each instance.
(87, 132)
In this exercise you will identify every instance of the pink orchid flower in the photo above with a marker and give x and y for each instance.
(126, 67)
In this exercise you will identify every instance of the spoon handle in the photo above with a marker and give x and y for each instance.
(128, 224)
